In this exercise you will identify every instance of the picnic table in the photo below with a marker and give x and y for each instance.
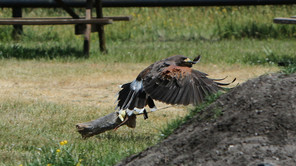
(83, 25)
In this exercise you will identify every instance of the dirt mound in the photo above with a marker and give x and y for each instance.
(257, 127)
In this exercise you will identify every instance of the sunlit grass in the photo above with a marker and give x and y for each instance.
(174, 124)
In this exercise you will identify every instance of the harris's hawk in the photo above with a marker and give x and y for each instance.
(172, 81)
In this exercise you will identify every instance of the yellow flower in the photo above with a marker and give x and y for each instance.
(79, 162)
(21, 165)
(58, 150)
(65, 142)
(224, 10)
(48, 165)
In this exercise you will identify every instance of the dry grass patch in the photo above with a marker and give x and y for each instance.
(89, 83)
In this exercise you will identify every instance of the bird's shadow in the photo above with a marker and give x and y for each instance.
(128, 136)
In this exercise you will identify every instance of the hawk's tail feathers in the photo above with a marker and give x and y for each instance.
(132, 97)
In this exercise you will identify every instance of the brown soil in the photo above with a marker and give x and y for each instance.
(257, 127)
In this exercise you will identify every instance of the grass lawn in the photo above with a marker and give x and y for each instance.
(46, 88)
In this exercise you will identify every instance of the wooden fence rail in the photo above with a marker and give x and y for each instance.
(142, 3)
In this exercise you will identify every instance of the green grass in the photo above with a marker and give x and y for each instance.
(228, 34)
(31, 130)
(246, 51)
(271, 58)
(174, 124)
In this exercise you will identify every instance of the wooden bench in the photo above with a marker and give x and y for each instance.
(53, 21)
(83, 25)
(283, 20)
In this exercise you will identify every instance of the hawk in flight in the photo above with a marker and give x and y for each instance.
(171, 81)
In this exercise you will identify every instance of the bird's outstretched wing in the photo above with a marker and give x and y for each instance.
(180, 85)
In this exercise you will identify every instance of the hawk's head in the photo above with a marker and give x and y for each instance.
(180, 60)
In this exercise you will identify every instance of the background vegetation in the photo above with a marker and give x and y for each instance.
(164, 31)
(33, 131)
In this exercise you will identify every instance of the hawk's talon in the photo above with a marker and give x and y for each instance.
(122, 123)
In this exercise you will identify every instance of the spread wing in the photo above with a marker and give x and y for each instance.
(180, 85)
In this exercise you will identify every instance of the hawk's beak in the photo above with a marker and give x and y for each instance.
(188, 60)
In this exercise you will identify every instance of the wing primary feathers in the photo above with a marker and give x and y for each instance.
(225, 84)
(174, 98)
(179, 96)
(202, 86)
(190, 94)
(185, 96)
(168, 95)
(197, 97)
(220, 79)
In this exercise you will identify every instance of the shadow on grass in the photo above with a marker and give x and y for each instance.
(233, 29)
(270, 57)
(131, 136)
(287, 62)
(21, 52)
